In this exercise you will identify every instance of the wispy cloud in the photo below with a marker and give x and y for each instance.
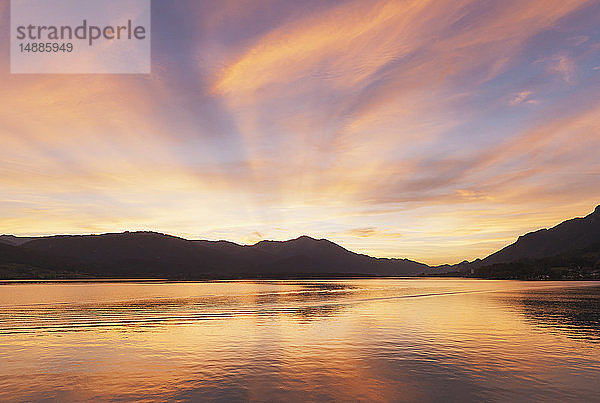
(523, 97)
(564, 66)
(373, 232)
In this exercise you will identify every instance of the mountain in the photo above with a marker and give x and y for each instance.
(154, 255)
(13, 240)
(134, 254)
(308, 254)
(570, 250)
(568, 236)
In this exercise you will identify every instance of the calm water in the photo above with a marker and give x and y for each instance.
(371, 340)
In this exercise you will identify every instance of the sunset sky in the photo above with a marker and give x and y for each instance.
(432, 130)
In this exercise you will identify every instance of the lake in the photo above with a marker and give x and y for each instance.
(301, 340)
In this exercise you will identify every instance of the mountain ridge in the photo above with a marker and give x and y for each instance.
(569, 250)
(153, 254)
(573, 243)
(569, 235)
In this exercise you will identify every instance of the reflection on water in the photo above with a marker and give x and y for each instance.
(371, 340)
(576, 313)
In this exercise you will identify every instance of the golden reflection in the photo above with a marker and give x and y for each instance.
(374, 340)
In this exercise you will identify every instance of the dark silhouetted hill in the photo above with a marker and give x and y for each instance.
(315, 255)
(13, 240)
(568, 236)
(568, 251)
(154, 255)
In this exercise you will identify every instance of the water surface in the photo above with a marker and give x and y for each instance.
(370, 340)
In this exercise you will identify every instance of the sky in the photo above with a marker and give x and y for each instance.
(432, 130)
